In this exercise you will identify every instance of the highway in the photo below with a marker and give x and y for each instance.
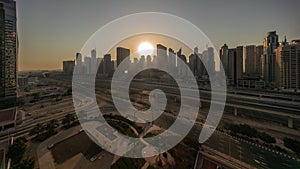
(284, 108)
(247, 152)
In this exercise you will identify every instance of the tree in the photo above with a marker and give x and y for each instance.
(51, 126)
(16, 151)
(266, 138)
(37, 130)
(292, 144)
(25, 164)
(68, 119)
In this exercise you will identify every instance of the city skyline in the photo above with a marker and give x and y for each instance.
(48, 41)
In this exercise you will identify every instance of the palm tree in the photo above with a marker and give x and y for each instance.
(37, 130)
(68, 119)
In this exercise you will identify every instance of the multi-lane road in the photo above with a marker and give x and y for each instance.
(252, 154)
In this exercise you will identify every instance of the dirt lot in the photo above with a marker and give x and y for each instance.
(79, 143)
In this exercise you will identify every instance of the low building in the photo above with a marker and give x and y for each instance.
(8, 118)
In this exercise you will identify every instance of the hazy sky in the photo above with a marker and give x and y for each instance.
(54, 30)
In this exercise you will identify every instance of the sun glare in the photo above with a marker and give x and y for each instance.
(145, 49)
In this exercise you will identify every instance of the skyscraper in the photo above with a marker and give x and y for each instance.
(87, 64)
(68, 67)
(142, 60)
(181, 66)
(162, 57)
(172, 59)
(250, 60)
(8, 53)
(108, 66)
(94, 64)
(79, 65)
(232, 66)
(232, 60)
(195, 63)
(122, 53)
(239, 62)
(149, 60)
(289, 65)
(270, 44)
(224, 58)
(259, 51)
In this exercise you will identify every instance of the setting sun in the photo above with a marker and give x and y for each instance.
(145, 48)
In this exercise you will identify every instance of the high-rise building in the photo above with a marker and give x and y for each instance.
(68, 67)
(259, 51)
(162, 57)
(8, 53)
(232, 61)
(79, 65)
(270, 45)
(224, 58)
(149, 59)
(142, 60)
(108, 66)
(172, 59)
(250, 60)
(289, 65)
(181, 66)
(239, 61)
(88, 65)
(192, 63)
(78, 58)
(94, 62)
(135, 61)
(209, 60)
(122, 53)
(232, 66)
(195, 63)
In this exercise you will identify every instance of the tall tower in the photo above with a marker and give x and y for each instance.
(259, 51)
(94, 64)
(107, 64)
(289, 65)
(122, 53)
(172, 60)
(162, 57)
(239, 62)
(250, 60)
(232, 66)
(8, 53)
(270, 44)
(224, 58)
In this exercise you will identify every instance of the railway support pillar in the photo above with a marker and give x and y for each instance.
(235, 111)
(290, 123)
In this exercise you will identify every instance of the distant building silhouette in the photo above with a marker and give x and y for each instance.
(88, 65)
(162, 57)
(232, 61)
(79, 64)
(259, 51)
(172, 60)
(68, 67)
(149, 60)
(250, 60)
(108, 65)
(122, 53)
(181, 66)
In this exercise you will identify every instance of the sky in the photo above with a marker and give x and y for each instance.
(53, 31)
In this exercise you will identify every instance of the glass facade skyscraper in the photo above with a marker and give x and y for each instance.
(8, 52)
